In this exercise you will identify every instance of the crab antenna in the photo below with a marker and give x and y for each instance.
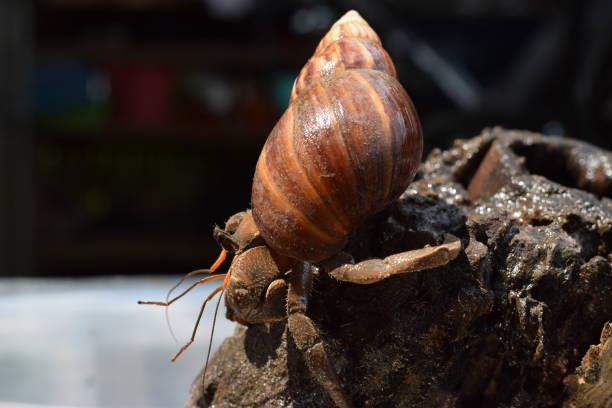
(166, 310)
(174, 299)
(220, 288)
(195, 328)
(212, 335)
(213, 268)
(169, 301)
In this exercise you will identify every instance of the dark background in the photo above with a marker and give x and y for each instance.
(129, 128)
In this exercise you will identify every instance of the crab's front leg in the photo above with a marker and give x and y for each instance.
(374, 270)
(307, 337)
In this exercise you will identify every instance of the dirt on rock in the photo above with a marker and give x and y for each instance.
(507, 324)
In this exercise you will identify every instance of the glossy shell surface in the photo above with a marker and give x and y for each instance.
(348, 144)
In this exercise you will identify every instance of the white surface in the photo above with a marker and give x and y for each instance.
(86, 343)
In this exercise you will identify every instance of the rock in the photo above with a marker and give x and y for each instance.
(591, 385)
(504, 325)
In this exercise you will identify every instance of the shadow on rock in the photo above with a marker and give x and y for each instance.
(262, 341)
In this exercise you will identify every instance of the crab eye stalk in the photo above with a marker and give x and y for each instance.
(225, 240)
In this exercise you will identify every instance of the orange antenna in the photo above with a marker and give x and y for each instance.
(220, 288)
(195, 328)
(212, 269)
(174, 299)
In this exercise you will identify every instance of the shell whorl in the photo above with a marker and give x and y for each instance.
(349, 44)
(349, 143)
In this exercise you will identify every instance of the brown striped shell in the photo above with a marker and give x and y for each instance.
(348, 144)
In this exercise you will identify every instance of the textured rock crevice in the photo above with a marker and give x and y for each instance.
(507, 324)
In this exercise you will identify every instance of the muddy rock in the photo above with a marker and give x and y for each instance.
(590, 385)
(507, 324)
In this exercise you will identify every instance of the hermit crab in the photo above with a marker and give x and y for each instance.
(347, 146)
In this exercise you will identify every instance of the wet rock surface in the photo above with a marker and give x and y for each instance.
(590, 385)
(506, 324)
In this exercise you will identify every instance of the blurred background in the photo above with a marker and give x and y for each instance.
(128, 128)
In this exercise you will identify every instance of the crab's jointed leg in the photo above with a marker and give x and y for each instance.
(374, 270)
(307, 337)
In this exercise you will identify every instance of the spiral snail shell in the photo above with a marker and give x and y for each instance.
(348, 144)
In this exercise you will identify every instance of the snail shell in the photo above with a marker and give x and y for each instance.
(348, 144)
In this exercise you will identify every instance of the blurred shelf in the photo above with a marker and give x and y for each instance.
(97, 5)
(211, 55)
(190, 134)
(191, 171)
(129, 253)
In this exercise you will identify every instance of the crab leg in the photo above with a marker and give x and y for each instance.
(307, 337)
(374, 270)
